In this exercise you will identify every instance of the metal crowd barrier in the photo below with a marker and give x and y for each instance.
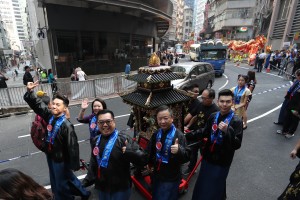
(75, 90)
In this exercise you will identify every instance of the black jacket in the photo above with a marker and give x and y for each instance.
(65, 147)
(116, 176)
(232, 140)
(3, 82)
(172, 170)
(27, 78)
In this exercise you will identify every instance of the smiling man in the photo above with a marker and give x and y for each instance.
(223, 132)
(62, 150)
(111, 157)
(168, 151)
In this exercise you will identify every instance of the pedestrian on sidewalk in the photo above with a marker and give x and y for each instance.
(3, 80)
(62, 150)
(80, 74)
(27, 76)
(224, 133)
(261, 60)
(13, 74)
(52, 81)
(283, 65)
(128, 68)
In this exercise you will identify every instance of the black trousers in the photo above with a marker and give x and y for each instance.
(290, 123)
(260, 65)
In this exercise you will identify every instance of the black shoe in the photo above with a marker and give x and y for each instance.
(277, 123)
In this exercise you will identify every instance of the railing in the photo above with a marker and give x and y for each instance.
(75, 90)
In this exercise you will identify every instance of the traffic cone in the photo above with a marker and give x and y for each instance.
(268, 70)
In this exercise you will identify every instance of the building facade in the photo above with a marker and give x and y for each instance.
(100, 37)
(284, 27)
(231, 19)
(12, 13)
(198, 20)
(187, 24)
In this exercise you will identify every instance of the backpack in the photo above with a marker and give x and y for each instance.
(38, 133)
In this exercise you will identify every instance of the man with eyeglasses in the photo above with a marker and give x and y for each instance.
(197, 120)
(110, 159)
(194, 101)
(223, 134)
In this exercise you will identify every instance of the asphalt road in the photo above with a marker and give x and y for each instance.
(260, 169)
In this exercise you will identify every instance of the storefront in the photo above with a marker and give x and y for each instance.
(104, 38)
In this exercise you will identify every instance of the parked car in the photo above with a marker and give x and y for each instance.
(199, 73)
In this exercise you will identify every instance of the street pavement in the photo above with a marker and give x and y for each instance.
(260, 169)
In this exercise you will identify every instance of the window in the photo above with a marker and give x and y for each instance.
(284, 9)
(201, 69)
(195, 71)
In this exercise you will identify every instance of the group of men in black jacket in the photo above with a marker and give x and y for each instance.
(112, 152)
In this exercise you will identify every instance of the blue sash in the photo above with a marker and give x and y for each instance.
(216, 134)
(238, 94)
(52, 132)
(163, 153)
(103, 161)
(93, 127)
(293, 89)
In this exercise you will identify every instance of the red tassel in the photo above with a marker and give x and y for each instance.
(212, 146)
(99, 173)
(49, 145)
(158, 167)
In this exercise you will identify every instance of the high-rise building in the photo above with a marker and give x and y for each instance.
(187, 23)
(232, 19)
(12, 12)
(284, 29)
(179, 20)
(198, 19)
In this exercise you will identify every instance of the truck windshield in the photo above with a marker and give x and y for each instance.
(213, 54)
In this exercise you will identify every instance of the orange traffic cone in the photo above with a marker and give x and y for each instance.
(268, 70)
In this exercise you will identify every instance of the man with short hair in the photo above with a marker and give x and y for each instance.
(261, 60)
(62, 146)
(197, 120)
(168, 151)
(27, 76)
(111, 157)
(223, 133)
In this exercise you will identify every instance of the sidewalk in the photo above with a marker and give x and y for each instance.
(18, 82)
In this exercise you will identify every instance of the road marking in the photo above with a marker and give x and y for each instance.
(22, 136)
(265, 114)
(225, 83)
(270, 90)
